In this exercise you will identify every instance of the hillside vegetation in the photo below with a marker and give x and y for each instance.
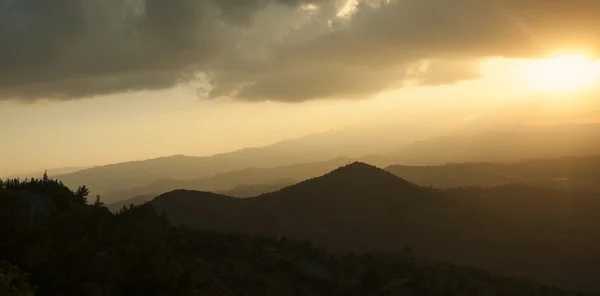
(518, 230)
(54, 243)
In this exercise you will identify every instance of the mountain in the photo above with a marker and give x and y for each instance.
(224, 182)
(240, 191)
(516, 143)
(314, 148)
(50, 172)
(74, 248)
(508, 144)
(572, 173)
(567, 173)
(354, 203)
(251, 190)
(338, 197)
(137, 200)
(541, 234)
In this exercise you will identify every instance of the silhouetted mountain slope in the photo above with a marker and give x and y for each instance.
(252, 190)
(356, 193)
(355, 189)
(354, 143)
(229, 180)
(240, 191)
(138, 200)
(515, 230)
(570, 173)
(356, 207)
(520, 143)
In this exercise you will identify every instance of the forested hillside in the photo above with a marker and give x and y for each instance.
(54, 243)
(541, 234)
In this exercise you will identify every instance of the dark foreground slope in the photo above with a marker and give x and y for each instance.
(541, 234)
(65, 247)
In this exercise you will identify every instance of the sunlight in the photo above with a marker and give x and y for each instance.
(562, 73)
(347, 9)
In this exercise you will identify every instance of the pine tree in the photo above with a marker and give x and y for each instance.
(97, 202)
(45, 178)
(82, 192)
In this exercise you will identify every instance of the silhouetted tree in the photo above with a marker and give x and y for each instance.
(98, 203)
(82, 193)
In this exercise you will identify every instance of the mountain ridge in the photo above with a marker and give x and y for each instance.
(361, 208)
(228, 180)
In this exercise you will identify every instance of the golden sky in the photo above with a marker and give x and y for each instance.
(84, 82)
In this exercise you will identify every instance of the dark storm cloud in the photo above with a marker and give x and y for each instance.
(268, 49)
(48, 47)
(74, 48)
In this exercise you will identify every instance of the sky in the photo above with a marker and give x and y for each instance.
(88, 82)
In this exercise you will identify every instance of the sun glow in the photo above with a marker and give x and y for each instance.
(562, 73)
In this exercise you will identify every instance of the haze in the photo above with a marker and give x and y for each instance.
(127, 80)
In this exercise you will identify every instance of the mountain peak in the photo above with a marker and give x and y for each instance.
(359, 170)
(359, 165)
(356, 177)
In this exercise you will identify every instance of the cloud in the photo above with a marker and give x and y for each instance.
(282, 50)
(74, 48)
(446, 72)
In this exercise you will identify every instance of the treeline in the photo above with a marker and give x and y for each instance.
(54, 242)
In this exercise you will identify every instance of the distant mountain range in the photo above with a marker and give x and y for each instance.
(540, 234)
(567, 173)
(50, 172)
(503, 145)
(228, 181)
(126, 180)
(570, 173)
(130, 175)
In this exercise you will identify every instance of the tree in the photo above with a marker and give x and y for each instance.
(45, 178)
(82, 192)
(97, 202)
(13, 282)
